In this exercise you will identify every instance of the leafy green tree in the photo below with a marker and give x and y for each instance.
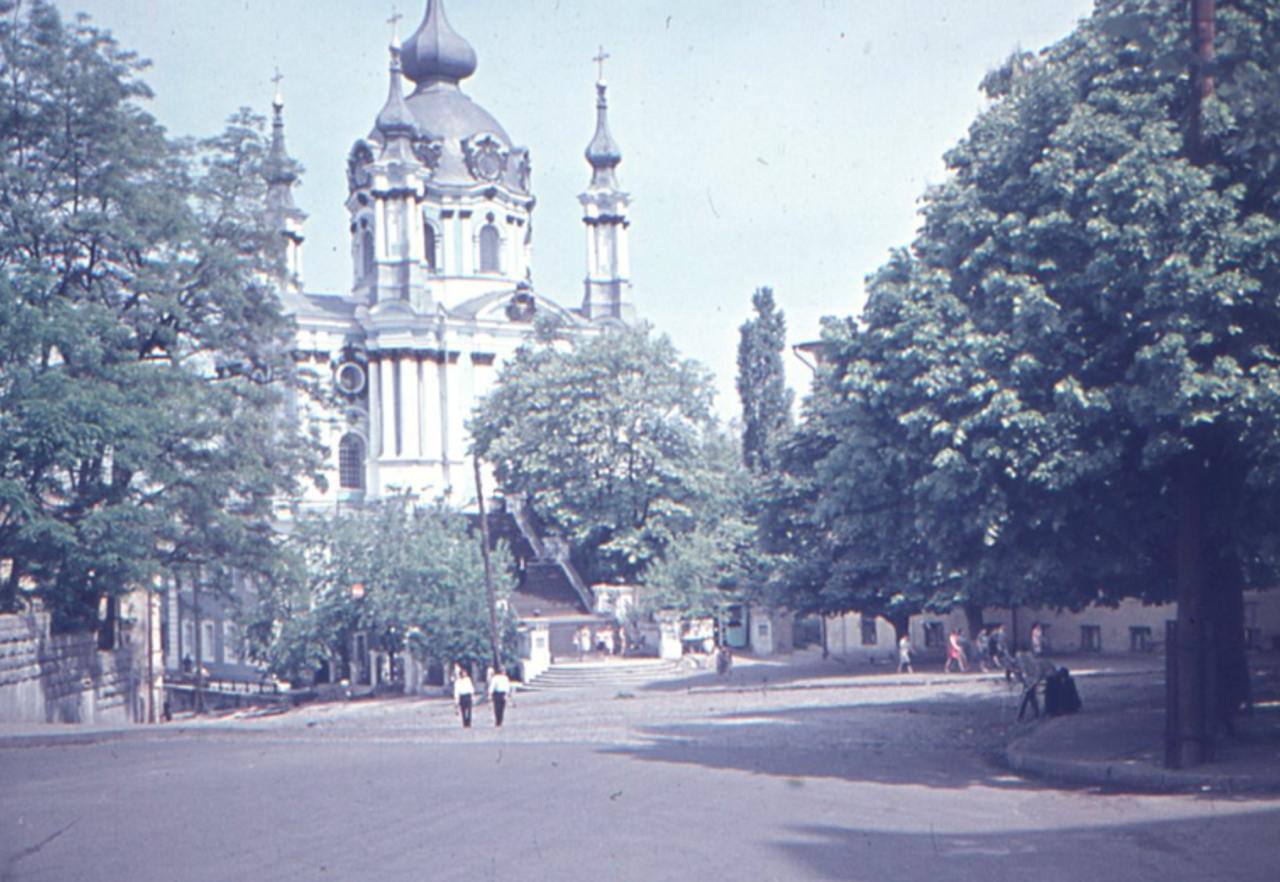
(143, 353)
(420, 579)
(1076, 361)
(762, 383)
(603, 436)
(718, 561)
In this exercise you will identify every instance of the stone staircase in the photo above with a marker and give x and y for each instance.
(610, 673)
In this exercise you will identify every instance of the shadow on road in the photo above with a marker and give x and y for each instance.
(950, 742)
(1200, 848)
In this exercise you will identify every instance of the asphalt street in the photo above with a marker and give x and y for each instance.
(887, 779)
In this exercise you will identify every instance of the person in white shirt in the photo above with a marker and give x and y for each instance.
(500, 689)
(463, 692)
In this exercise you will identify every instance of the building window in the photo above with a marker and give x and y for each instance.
(366, 254)
(868, 631)
(208, 647)
(934, 636)
(351, 462)
(231, 650)
(429, 245)
(490, 249)
(1091, 638)
(1139, 639)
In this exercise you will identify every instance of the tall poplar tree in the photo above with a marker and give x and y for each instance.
(762, 382)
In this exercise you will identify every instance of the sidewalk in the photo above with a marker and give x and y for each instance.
(1122, 747)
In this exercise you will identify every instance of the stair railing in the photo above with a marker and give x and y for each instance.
(558, 550)
(552, 548)
(520, 512)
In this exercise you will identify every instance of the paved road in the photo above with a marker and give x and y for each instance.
(891, 780)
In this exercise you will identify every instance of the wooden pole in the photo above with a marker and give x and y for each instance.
(490, 595)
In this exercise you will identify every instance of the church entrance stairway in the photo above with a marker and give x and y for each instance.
(611, 673)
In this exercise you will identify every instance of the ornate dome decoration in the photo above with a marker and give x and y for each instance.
(358, 165)
(486, 156)
(428, 151)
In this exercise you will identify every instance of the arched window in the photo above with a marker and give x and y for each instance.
(366, 254)
(490, 249)
(429, 245)
(351, 462)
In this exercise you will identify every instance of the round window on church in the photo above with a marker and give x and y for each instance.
(350, 378)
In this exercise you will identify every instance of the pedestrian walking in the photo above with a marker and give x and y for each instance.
(904, 654)
(955, 653)
(724, 661)
(463, 693)
(500, 690)
(1037, 639)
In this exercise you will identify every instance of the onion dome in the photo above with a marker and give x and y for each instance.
(435, 53)
(603, 152)
(395, 119)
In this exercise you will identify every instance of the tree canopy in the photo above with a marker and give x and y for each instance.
(142, 347)
(604, 436)
(1088, 308)
(421, 588)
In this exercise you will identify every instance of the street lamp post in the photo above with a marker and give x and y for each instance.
(488, 569)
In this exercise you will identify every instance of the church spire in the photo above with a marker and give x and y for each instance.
(435, 53)
(281, 174)
(603, 152)
(604, 205)
(395, 118)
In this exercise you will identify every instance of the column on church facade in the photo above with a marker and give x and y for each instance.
(375, 411)
(409, 406)
(467, 238)
(431, 441)
(387, 407)
(460, 399)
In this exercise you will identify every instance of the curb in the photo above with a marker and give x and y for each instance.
(84, 738)
(1132, 775)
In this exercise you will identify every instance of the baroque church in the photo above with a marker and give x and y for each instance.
(441, 294)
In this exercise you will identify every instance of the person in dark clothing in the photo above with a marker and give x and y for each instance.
(499, 691)
(463, 693)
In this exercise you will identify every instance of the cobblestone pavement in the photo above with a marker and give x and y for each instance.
(801, 771)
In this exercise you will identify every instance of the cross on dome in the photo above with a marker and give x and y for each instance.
(394, 21)
(600, 59)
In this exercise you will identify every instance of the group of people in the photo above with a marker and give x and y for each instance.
(989, 652)
(498, 687)
(604, 639)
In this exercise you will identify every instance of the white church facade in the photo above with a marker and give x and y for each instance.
(440, 206)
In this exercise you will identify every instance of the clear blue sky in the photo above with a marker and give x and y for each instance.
(779, 142)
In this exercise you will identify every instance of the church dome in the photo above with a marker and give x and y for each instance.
(468, 146)
(435, 52)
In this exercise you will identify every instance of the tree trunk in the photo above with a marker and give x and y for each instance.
(1192, 687)
(1225, 609)
(901, 626)
(974, 620)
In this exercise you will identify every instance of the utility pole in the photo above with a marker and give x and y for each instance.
(490, 596)
(195, 606)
